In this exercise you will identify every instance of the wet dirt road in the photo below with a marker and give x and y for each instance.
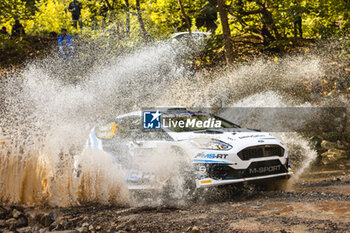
(318, 202)
(312, 206)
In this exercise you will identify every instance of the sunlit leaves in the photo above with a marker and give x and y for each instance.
(320, 18)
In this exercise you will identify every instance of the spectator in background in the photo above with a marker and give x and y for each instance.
(65, 43)
(4, 31)
(75, 8)
(18, 29)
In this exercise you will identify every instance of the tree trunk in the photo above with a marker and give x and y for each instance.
(142, 24)
(186, 17)
(269, 30)
(110, 7)
(226, 32)
(298, 26)
(268, 19)
(127, 9)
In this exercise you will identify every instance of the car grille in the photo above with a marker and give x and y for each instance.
(224, 172)
(255, 169)
(261, 151)
(263, 168)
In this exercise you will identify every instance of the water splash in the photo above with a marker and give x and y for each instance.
(46, 119)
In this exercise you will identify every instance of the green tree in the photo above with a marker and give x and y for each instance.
(226, 32)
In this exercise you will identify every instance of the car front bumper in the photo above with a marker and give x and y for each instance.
(208, 182)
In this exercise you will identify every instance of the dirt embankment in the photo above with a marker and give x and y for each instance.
(15, 52)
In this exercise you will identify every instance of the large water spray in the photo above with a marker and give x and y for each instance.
(45, 119)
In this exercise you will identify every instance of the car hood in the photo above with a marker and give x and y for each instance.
(230, 136)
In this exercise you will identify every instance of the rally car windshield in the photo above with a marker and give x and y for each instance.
(186, 122)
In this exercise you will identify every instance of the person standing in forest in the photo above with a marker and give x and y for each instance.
(18, 29)
(4, 31)
(64, 43)
(75, 8)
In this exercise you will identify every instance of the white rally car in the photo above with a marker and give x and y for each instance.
(220, 152)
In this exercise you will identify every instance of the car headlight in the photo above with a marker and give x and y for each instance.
(215, 145)
(107, 131)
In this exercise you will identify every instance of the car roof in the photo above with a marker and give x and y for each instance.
(161, 108)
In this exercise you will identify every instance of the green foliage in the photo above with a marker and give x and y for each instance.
(108, 18)
(11, 10)
(12, 45)
(51, 16)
